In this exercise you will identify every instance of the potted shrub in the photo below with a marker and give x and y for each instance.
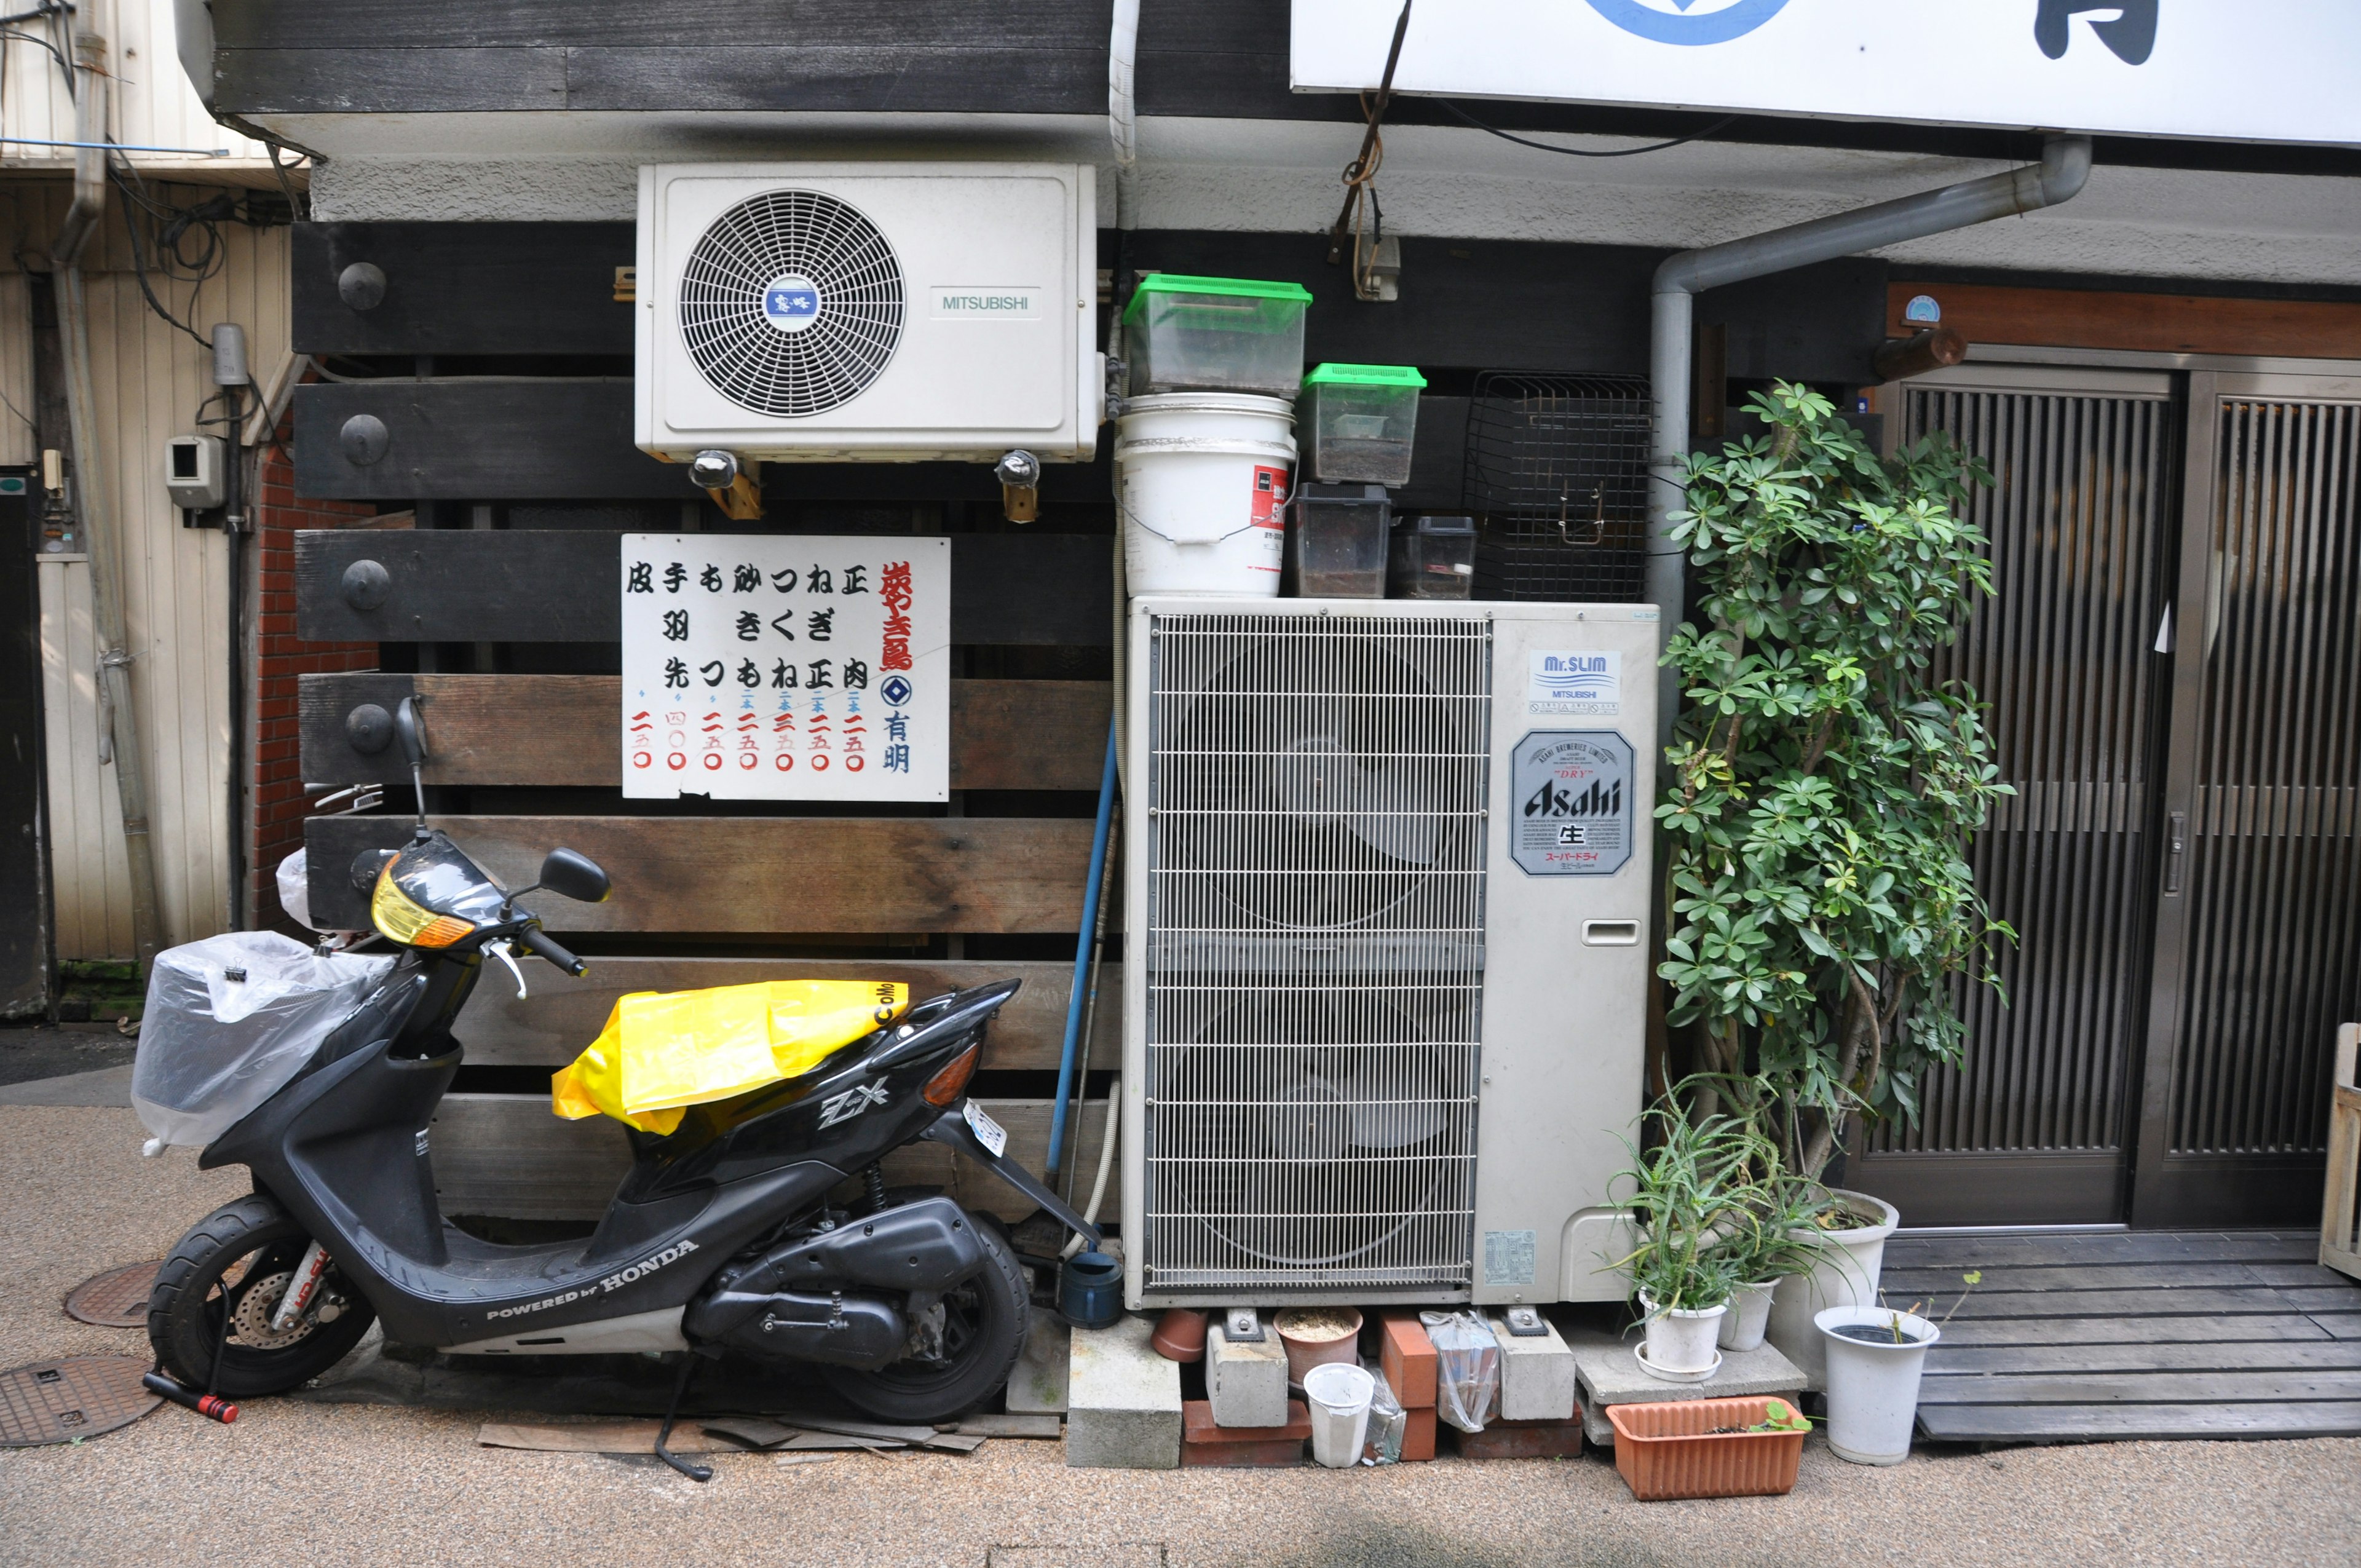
(1773, 1238)
(1687, 1194)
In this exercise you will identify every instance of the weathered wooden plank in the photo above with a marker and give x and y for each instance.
(2186, 323)
(2085, 1248)
(544, 730)
(1947, 1359)
(2340, 1297)
(542, 288)
(1945, 1282)
(559, 438)
(535, 586)
(508, 1155)
(709, 24)
(883, 74)
(550, 1028)
(2125, 1423)
(2281, 1327)
(2251, 1386)
(2343, 1325)
(2146, 1305)
(772, 875)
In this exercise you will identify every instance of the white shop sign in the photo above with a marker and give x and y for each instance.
(763, 666)
(2236, 70)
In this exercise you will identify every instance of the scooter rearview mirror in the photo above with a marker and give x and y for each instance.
(412, 731)
(569, 874)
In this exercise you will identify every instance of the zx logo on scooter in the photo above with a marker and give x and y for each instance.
(844, 1107)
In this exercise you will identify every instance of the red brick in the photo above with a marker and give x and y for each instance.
(1406, 1358)
(1417, 1435)
(1203, 1443)
(1522, 1440)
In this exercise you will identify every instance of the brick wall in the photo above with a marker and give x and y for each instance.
(276, 801)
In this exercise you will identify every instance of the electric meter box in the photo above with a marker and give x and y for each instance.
(194, 471)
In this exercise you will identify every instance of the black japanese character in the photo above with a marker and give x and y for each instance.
(784, 624)
(856, 675)
(745, 579)
(898, 759)
(823, 625)
(713, 672)
(750, 674)
(2129, 35)
(819, 676)
(820, 580)
(676, 675)
(641, 582)
(675, 575)
(709, 579)
(784, 677)
(897, 727)
(783, 580)
(750, 626)
(853, 582)
(675, 625)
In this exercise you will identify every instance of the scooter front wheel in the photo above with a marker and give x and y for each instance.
(960, 1355)
(234, 1266)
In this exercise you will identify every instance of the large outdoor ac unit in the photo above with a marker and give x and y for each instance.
(827, 311)
(1388, 867)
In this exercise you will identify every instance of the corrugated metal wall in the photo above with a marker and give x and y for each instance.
(153, 104)
(148, 379)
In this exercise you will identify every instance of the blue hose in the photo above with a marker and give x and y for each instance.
(1065, 1064)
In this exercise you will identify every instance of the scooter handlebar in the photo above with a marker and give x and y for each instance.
(533, 942)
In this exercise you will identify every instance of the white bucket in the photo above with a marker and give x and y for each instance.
(1845, 1276)
(1749, 1315)
(1874, 1384)
(1202, 483)
(1681, 1340)
(1338, 1395)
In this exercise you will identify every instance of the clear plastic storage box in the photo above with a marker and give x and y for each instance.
(1336, 541)
(1356, 423)
(1434, 558)
(1214, 335)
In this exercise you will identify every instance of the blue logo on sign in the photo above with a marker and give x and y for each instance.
(895, 690)
(790, 304)
(1718, 25)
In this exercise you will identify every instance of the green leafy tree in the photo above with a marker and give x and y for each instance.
(1822, 788)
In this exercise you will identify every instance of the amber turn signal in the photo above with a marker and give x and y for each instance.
(442, 931)
(951, 1082)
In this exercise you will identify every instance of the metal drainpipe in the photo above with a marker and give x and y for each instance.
(1123, 130)
(90, 496)
(2065, 165)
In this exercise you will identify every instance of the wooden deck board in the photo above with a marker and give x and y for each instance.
(2120, 1330)
(2084, 1249)
(2341, 1325)
(1999, 1279)
(1947, 1360)
(2147, 1303)
(2124, 1423)
(2250, 1385)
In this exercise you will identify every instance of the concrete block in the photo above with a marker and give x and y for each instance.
(1205, 1442)
(1406, 1358)
(1123, 1400)
(1537, 1375)
(1521, 1439)
(1245, 1385)
(1037, 1387)
(1611, 1375)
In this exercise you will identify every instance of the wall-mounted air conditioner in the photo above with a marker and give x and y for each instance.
(834, 312)
(1387, 867)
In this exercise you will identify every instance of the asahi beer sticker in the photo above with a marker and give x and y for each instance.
(1576, 683)
(1570, 803)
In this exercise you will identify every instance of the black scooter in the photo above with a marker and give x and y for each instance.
(722, 1237)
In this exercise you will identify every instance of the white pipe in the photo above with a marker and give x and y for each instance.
(1113, 1121)
(89, 153)
(1122, 120)
(2065, 165)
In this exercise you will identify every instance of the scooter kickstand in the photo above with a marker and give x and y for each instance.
(672, 1413)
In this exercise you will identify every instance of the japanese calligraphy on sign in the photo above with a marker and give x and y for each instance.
(786, 668)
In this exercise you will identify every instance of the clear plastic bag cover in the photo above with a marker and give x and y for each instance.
(212, 1048)
(1387, 1420)
(295, 888)
(1467, 1367)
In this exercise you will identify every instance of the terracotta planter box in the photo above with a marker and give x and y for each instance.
(1670, 1451)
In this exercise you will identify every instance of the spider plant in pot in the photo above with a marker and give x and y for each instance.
(1688, 1193)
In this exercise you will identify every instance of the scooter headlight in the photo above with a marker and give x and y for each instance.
(401, 918)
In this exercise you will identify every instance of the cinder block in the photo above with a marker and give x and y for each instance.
(1521, 1439)
(1406, 1358)
(1245, 1383)
(1537, 1375)
(1205, 1442)
(1038, 1384)
(1123, 1400)
(1611, 1375)
(1417, 1435)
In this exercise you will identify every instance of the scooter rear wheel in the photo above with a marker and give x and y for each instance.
(236, 1261)
(985, 1320)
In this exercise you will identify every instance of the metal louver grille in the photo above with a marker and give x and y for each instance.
(2274, 945)
(1316, 787)
(838, 335)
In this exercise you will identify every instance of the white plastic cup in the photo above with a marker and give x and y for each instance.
(1338, 1395)
(1202, 485)
(1874, 1384)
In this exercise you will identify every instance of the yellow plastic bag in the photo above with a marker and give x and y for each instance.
(663, 1050)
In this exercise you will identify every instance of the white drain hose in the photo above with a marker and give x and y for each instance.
(1074, 1243)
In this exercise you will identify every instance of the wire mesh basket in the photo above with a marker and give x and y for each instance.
(1557, 476)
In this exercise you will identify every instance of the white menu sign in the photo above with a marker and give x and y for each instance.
(780, 666)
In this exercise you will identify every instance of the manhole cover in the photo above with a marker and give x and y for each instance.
(117, 1299)
(56, 1401)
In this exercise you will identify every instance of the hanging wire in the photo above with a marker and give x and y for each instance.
(1584, 152)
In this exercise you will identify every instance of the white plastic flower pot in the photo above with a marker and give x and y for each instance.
(1680, 1342)
(1338, 1395)
(1750, 1314)
(1846, 1276)
(1873, 1383)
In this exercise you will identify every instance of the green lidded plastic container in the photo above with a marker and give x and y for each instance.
(1216, 335)
(1356, 423)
